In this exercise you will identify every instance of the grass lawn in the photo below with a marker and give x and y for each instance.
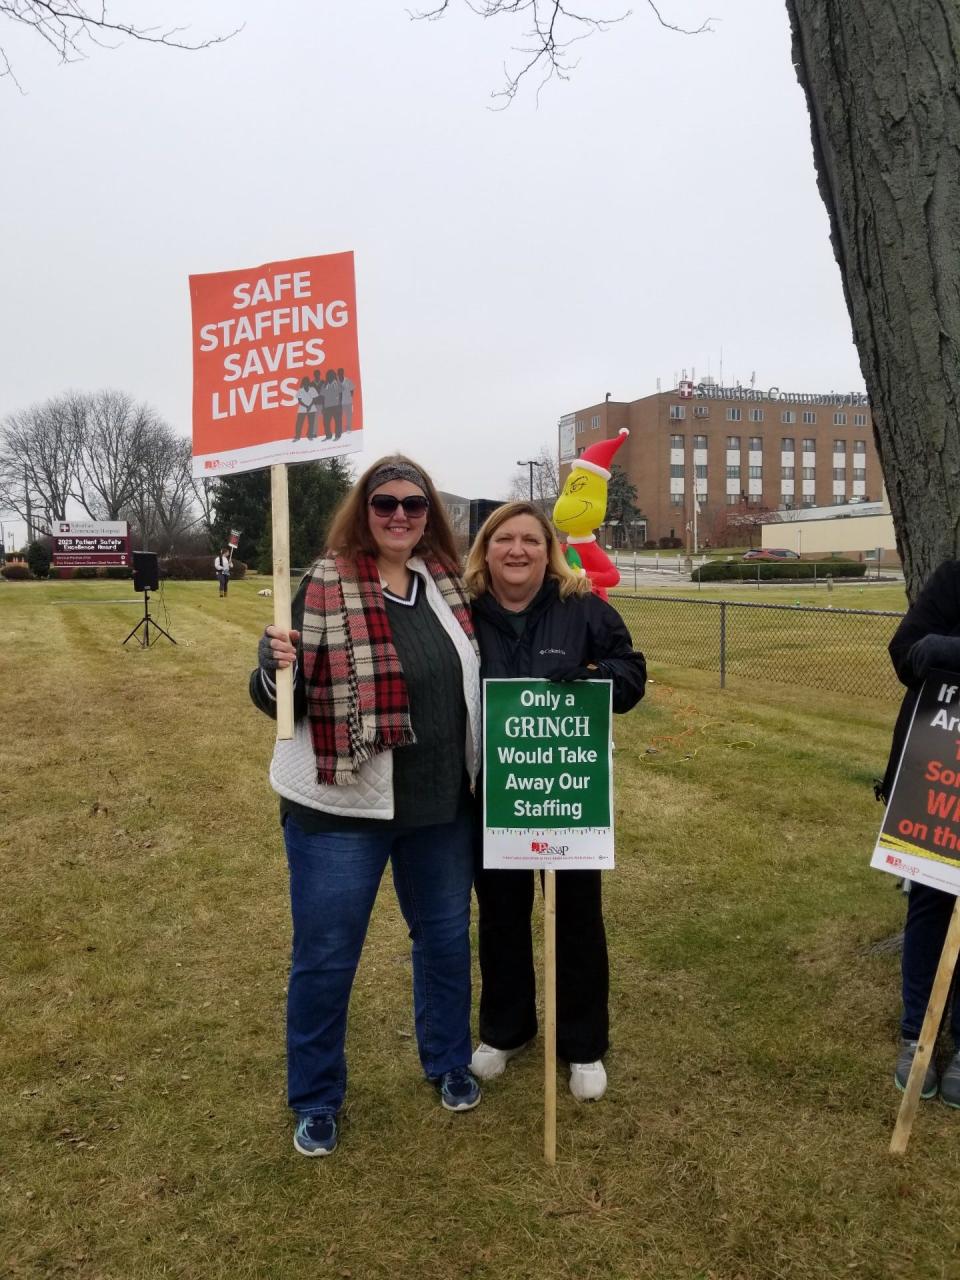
(144, 920)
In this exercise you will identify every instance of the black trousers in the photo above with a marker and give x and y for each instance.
(508, 1012)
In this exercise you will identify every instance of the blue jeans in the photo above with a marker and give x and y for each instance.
(925, 931)
(334, 877)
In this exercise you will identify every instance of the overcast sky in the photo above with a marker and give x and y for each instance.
(656, 210)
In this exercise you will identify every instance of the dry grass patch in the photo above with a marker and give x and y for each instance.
(145, 936)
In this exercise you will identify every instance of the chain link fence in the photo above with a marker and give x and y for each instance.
(842, 650)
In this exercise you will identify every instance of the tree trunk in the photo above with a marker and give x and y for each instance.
(881, 79)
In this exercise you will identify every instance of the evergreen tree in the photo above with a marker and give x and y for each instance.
(243, 502)
(622, 505)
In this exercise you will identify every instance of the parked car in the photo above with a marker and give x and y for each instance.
(771, 553)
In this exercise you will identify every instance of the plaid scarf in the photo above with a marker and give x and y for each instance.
(357, 701)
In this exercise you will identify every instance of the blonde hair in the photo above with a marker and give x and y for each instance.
(350, 535)
(476, 574)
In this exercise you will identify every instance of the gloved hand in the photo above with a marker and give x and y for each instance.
(562, 673)
(277, 648)
(935, 651)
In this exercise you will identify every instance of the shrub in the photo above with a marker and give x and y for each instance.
(791, 570)
(38, 558)
(196, 568)
(16, 572)
(85, 571)
(117, 571)
(650, 545)
(669, 544)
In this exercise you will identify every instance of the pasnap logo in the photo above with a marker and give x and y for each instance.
(552, 850)
(211, 465)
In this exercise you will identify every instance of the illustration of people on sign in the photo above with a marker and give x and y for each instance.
(306, 409)
(346, 400)
(331, 407)
(331, 396)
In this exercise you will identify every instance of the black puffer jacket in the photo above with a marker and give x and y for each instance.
(575, 632)
(936, 611)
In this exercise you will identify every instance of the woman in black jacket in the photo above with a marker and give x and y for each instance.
(926, 639)
(534, 617)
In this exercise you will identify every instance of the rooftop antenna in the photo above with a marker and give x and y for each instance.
(658, 384)
(721, 364)
(753, 378)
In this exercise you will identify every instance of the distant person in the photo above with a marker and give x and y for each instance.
(306, 409)
(222, 565)
(380, 771)
(346, 400)
(927, 638)
(331, 407)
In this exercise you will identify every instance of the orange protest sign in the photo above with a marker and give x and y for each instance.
(276, 365)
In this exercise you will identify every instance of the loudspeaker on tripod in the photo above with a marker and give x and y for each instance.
(146, 571)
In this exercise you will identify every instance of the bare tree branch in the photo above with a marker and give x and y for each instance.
(67, 25)
(549, 35)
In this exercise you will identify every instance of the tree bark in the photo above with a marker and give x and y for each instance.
(881, 79)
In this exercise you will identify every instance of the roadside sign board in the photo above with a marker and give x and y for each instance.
(548, 774)
(276, 366)
(920, 835)
(97, 543)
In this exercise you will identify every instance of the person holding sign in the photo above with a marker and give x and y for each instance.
(535, 617)
(222, 564)
(928, 638)
(380, 769)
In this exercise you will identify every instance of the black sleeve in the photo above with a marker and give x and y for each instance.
(936, 611)
(611, 648)
(263, 692)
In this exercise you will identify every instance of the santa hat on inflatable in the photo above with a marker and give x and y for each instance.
(599, 457)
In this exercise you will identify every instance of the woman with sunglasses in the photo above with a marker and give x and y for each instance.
(380, 769)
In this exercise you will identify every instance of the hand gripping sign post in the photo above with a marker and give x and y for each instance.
(547, 805)
(920, 840)
(276, 379)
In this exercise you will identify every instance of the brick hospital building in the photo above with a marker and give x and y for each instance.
(735, 447)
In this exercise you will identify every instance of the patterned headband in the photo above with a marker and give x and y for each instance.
(395, 471)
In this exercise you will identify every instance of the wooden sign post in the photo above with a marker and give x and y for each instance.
(928, 1035)
(281, 592)
(550, 1017)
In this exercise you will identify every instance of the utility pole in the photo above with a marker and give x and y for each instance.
(531, 463)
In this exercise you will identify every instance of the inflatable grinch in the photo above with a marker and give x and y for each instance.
(581, 509)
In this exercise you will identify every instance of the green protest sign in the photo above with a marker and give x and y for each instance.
(548, 777)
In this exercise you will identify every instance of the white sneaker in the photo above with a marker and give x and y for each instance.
(487, 1062)
(588, 1081)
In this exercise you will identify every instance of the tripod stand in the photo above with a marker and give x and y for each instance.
(146, 640)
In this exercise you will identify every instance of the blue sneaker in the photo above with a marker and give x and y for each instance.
(316, 1135)
(459, 1090)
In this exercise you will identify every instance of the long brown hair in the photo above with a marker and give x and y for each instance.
(476, 574)
(350, 535)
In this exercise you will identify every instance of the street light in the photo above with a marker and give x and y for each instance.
(531, 463)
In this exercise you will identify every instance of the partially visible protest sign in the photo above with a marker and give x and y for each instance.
(234, 539)
(920, 840)
(920, 835)
(98, 543)
(548, 777)
(276, 365)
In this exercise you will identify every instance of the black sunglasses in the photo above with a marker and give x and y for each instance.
(385, 504)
